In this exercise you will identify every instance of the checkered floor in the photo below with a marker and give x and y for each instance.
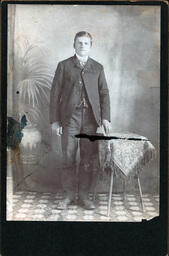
(33, 206)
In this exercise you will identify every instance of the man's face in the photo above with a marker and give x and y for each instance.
(82, 46)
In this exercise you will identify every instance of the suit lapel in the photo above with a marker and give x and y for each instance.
(76, 62)
(88, 64)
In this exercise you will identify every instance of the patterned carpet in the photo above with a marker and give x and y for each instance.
(34, 206)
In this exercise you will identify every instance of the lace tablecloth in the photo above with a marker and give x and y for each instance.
(126, 152)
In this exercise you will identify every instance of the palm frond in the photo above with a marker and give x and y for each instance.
(44, 83)
(33, 114)
(28, 51)
(37, 92)
(46, 96)
(32, 90)
(35, 83)
(28, 92)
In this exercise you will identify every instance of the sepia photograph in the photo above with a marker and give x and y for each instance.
(83, 112)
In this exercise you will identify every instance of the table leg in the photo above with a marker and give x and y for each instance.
(140, 190)
(110, 192)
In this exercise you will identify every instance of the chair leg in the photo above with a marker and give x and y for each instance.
(110, 192)
(140, 190)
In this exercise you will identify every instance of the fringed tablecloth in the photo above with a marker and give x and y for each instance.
(126, 152)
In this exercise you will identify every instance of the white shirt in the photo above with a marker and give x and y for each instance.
(82, 59)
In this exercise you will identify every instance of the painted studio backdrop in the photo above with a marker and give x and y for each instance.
(126, 40)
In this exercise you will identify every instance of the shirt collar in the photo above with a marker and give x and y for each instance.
(82, 59)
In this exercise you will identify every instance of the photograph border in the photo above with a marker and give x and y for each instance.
(81, 239)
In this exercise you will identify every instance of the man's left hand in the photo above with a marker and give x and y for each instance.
(106, 125)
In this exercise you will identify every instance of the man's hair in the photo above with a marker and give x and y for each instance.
(83, 33)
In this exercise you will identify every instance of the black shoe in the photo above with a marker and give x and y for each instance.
(62, 205)
(87, 204)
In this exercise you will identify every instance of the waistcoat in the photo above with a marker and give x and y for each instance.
(83, 99)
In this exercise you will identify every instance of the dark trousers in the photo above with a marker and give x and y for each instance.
(82, 121)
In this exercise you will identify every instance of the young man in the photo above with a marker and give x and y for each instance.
(79, 103)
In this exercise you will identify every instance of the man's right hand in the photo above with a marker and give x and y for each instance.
(56, 128)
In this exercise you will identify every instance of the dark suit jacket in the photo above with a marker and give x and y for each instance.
(65, 91)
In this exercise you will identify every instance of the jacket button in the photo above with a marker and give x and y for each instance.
(80, 82)
(83, 72)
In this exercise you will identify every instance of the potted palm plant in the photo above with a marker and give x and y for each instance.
(33, 89)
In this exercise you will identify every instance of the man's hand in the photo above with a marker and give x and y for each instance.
(106, 125)
(57, 128)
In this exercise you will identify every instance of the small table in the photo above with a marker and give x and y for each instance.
(125, 154)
